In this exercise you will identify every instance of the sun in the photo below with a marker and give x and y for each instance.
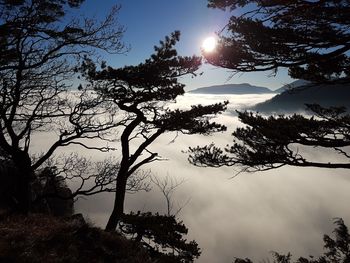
(209, 44)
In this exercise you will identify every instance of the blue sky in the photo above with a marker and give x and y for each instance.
(148, 21)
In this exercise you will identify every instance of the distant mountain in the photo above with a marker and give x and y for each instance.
(294, 84)
(295, 99)
(243, 88)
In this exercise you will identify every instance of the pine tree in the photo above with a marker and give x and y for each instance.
(141, 93)
(312, 40)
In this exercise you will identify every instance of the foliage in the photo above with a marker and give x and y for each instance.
(161, 235)
(310, 38)
(141, 93)
(271, 142)
(337, 250)
(40, 48)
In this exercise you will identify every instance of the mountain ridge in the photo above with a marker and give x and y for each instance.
(292, 100)
(242, 88)
(292, 85)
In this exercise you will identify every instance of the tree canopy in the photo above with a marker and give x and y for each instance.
(272, 142)
(161, 235)
(310, 38)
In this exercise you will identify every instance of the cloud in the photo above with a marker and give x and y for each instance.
(287, 209)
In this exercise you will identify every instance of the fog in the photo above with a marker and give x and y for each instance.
(249, 215)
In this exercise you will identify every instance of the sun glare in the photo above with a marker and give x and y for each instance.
(209, 44)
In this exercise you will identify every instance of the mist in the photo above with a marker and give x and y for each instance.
(248, 215)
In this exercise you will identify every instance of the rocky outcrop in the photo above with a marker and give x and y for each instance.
(50, 194)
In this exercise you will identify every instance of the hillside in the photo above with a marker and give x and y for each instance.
(42, 238)
(295, 99)
(243, 88)
(294, 84)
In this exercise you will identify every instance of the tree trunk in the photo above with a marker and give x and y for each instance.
(23, 195)
(118, 209)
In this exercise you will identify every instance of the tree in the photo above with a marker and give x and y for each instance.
(271, 142)
(40, 49)
(337, 249)
(86, 176)
(311, 39)
(141, 93)
(161, 235)
(167, 187)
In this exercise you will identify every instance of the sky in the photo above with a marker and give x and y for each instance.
(148, 22)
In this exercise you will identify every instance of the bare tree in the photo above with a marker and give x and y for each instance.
(85, 177)
(40, 49)
(167, 186)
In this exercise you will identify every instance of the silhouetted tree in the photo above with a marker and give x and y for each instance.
(167, 187)
(40, 48)
(271, 142)
(337, 250)
(161, 235)
(141, 93)
(312, 40)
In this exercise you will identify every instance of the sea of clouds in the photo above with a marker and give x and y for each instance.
(287, 209)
